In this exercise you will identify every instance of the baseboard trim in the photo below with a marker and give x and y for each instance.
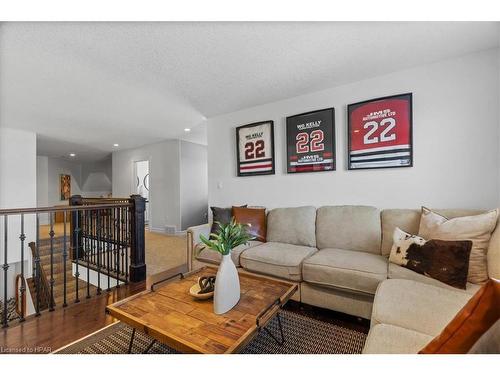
(162, 231)
(157, 230)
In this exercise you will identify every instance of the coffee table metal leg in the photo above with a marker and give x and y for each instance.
(131, 341)
(280, 340)
(149, 347)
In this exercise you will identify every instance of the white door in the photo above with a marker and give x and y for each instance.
(141, 179)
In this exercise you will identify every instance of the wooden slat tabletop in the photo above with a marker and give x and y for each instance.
(171, 315)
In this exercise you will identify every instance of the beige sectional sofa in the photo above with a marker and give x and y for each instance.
(339, 257)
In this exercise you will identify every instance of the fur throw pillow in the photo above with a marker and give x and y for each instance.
(401, 241)
(446, 261)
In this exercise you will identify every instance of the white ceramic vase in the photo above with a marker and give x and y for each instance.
(227, 286)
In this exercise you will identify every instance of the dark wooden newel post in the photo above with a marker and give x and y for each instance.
(137, 241)
(76, 228)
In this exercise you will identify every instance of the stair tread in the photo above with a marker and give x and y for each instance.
(58, 272)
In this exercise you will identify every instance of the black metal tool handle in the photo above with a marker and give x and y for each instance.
(277, 302)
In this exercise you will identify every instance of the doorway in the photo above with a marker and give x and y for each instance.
(142, 186)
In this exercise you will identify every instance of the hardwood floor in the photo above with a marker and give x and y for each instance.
(53, 330)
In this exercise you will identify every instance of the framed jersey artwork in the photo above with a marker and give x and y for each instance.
(380, 133)
(255, 149)
(311, 141)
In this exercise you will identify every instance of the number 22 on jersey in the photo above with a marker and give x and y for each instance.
(386, 135)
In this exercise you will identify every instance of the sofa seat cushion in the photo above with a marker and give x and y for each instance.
(416, 306)
(398, 272)
(277, 259)
(212, 256)
(345, 269)
(389, 339)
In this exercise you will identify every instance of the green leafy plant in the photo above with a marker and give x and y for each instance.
(227, 237)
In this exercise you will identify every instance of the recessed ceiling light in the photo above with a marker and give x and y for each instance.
(115, 145)
(72, 155)
(187, 130)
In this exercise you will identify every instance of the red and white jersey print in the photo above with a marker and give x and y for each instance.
(255, 149)
(380, 134)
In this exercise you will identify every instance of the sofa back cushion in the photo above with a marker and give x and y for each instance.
(404, 219)
(349, 228)
(476, 228)
(294, 225)
(409, 221)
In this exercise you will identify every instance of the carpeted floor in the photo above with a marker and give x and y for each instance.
(163, 251)
(58, 230)
(304, 334)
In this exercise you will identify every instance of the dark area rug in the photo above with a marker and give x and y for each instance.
(11, 310)
(307, 331)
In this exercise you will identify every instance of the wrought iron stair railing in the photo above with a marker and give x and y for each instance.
(99, 244)
(39, 283)
(105, 240)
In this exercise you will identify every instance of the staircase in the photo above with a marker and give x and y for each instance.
(58, 272)
(109, 234)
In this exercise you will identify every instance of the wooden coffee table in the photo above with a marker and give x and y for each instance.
(169, 314)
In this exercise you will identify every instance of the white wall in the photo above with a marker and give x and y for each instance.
(42, 181)
(42, 186)
(499, 115)
(194, 184)
(17, 190)
(96, 178)
(456, 151)
(164, 191)
(91, 179)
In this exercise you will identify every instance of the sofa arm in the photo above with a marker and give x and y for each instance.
(193, 238)
(493, 255)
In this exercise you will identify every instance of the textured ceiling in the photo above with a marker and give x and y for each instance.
(95, 84)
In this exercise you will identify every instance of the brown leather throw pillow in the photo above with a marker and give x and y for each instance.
(474, 319)
(446, 261)
(255, 217)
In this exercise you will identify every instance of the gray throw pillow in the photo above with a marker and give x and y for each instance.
(489, 342)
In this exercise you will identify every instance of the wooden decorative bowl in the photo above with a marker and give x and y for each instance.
(194, 291)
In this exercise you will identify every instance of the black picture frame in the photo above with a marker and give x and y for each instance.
(382, 157)
(268, 159)
(327, 116)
